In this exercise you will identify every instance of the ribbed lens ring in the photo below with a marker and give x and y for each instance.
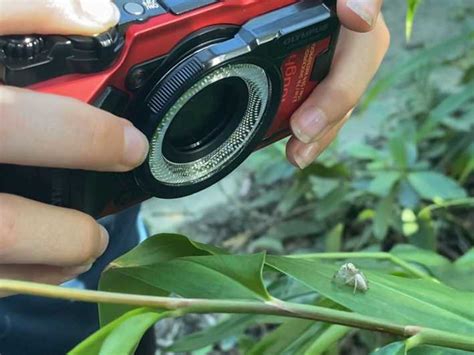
(182, 174)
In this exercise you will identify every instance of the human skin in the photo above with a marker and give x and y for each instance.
(50, 244)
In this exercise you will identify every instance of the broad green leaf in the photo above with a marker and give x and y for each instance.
(125, 338)
(399, 300)
(422, 257)
(457, 275)
(432, 185)
(383, 182)
(216, 276)
(93, 343)
(160, 248)
(397, 348)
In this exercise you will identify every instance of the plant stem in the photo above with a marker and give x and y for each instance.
(462, 202)
(366, 255)
(273, 307)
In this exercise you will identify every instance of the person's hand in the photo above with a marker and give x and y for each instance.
(39, 242)
(363, 43)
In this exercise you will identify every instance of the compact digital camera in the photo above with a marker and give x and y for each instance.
(207, 81)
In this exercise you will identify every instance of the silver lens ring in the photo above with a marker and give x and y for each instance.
(183, 174)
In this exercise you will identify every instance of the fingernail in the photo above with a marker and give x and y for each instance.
(309, 125)
(365, 9)
(100, 11)
(136, 147)
(104, 240)
(306, 154)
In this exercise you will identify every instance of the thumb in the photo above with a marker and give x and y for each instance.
(66, 17)
(359, 15)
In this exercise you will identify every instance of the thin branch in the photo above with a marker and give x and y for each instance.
(277, 307)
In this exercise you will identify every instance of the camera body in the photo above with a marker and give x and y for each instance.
(207, 81)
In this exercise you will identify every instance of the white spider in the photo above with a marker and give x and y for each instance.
(349, 275)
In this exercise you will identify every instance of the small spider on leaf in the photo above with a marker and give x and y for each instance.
(349, 275)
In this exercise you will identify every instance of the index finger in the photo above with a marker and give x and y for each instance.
(66, 17)
(60, 132)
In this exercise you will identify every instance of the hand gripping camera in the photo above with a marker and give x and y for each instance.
(207, 81)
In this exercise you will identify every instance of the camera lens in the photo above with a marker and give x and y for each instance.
(206, 120)
(210, 125)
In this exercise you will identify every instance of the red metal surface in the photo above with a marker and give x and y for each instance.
(297, 85)
(153, 39)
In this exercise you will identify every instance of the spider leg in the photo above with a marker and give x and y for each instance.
(355, 285)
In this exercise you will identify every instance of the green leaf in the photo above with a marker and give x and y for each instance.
(383, 183)
(363, 151)
(411, 11)
(407, 196)
(282, 288)
(431, 185)
(284, 337)
(232, 326)
(457, 275)
(422, 257)
(216, 276)
(333, 240)
(93, 343)
(398, 300)
(436, 350)
(383, 215)
(125, 338)
(160, 248)
(397, 348)
(444, 109)
(329, 337)
(399, 151)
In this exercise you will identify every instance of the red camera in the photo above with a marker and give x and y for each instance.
(207, 81)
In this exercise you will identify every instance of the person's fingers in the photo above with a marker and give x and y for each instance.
(359, 15)
(301, 155)
(66, 17)
(45, 274)
(54, 131)
(357, 59)
(35, 233)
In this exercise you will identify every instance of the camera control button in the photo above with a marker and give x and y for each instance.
(134, 8)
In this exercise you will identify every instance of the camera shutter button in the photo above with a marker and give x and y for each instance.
(134, 8)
